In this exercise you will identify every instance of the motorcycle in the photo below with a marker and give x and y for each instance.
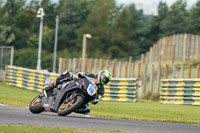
(66, 97)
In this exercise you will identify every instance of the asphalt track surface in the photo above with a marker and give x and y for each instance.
(12, 115)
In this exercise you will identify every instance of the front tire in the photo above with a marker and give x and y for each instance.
(36, 105)
(69, 107)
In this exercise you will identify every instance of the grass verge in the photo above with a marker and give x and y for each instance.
(146, 110)
(15, 96)
(34, 129)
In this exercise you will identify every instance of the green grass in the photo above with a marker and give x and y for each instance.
(15, 96)
(33, 129)
(146, 110)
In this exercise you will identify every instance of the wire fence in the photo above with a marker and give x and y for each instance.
(6, 56)
(176, 56)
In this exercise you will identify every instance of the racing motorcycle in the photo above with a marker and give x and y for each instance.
(66, 97)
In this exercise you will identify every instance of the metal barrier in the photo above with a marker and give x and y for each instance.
(119, 89)
(180, 91)
(27, 78)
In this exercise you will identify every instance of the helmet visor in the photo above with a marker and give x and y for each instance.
(104, 79)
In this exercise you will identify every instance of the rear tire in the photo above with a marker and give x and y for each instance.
(71, 106)
(36, 105)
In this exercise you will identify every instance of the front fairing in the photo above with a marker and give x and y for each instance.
(59, 94)
(88, 86)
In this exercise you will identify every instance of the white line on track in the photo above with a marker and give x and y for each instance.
(3, 105)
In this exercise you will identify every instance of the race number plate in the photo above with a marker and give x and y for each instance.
(91, 90)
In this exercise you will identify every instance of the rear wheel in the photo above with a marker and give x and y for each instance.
(70, 106)
(36, 105)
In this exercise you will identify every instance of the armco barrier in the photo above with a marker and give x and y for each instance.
(119, 89)
(27, 78)
(180, 91)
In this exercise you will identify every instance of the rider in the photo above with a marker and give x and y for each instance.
(102, 78)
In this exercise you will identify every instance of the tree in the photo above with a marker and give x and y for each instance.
(6, 36)
(70, 21)
(97, 24)
(28, 58)
(194, 19)
(128, 35)
(137, 30)
(9, 15)
(120, 35)
(155, 32)
(176, 19)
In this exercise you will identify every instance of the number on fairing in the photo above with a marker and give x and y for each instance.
(90, 90)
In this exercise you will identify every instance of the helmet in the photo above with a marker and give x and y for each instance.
(104, 77)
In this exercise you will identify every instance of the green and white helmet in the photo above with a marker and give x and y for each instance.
(104, 77)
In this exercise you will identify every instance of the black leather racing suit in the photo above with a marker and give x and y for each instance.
(68, 76)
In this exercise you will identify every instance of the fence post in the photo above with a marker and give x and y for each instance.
(163, 45)
(181, 48)
(188, 47)
(139, 70)
(158, 79)
(189, 71)
(129, 66)
(85, 67)
(80, 64)
(174, 71)
(90, 65)
(95, 65)
(142, 59)
(182, 71)
(198, 48)
(173, 53)
(158, 51)
(166, 71)
(198, 67)
(107, 64)
(173, 48)
(64, 64)
(150, 54)
(170, 48)
(184, 47)
(101, 64)
(139, 92)
(74, 64)
(145, 79)
(113, 67)
(152, 78)
(133, 68)
(166, 47)
(120, 69)
(60, 66)
(147, 58)
(192, 44)
(126, 69)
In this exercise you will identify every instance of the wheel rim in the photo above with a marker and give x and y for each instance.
(36, 101)
(67, 105)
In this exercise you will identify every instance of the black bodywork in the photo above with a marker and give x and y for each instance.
(73, 88)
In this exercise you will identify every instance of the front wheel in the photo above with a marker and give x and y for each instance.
(68, 107)
(36, 105)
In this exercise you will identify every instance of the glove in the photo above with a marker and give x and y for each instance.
(48, 87)
(74, 76)
(80, 75)
(95, 101)
(66, 73)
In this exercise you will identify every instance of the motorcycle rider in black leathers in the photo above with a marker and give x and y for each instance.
(102, 78)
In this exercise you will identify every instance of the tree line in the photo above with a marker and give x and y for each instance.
(118, 31)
